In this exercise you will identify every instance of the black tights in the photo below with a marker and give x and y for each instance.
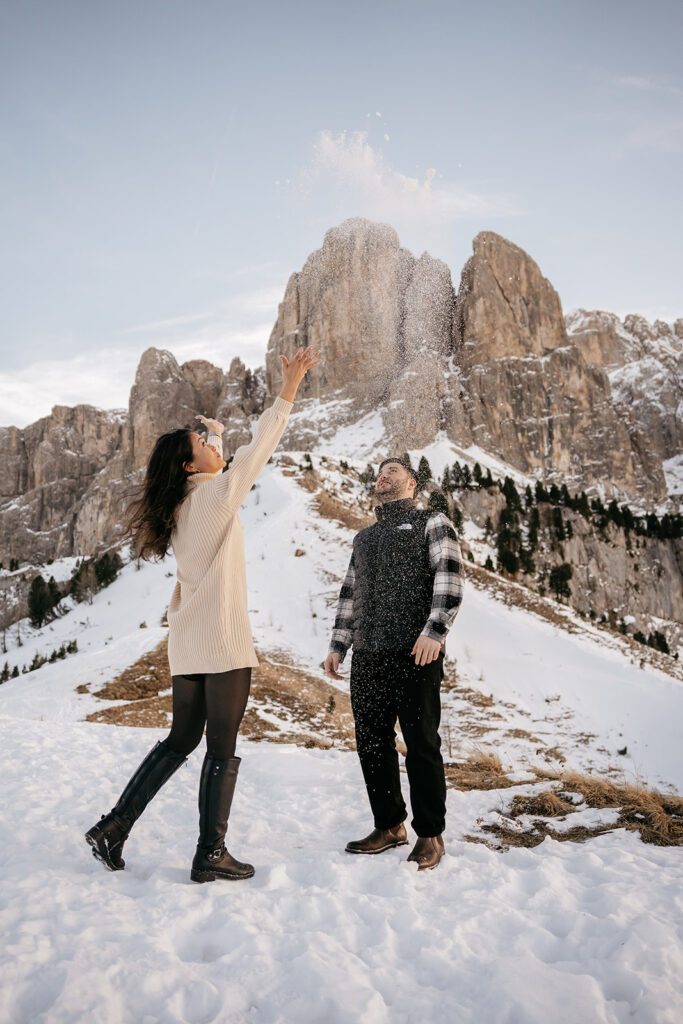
(217, 700)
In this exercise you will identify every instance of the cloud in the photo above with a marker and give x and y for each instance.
(103, 377)
(348, 160)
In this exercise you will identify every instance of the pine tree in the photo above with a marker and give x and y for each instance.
(39, 603)
(558, 580)
(534, 525)
(424, 473)
(477, 474)
(558, 523)
(438, 502)
(526, 561)
(511, 493)
(456, 518)
(540, 492)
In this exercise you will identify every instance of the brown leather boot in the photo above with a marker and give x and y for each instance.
(427, 852)
(379, 840)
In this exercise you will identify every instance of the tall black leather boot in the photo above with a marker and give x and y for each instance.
(110, 833)
(216, 789)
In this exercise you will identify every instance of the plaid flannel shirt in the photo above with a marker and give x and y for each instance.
(445, 559)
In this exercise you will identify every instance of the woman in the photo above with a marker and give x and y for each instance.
(187, 503)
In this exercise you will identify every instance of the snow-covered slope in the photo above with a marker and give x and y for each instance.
(567, 931)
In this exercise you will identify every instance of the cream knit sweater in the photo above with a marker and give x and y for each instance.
(207, 617)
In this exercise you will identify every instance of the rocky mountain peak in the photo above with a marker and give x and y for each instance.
(505, 305)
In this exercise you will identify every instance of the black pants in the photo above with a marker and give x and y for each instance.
(387, 685)
(216, 700)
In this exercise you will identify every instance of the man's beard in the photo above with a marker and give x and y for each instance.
(388, 493)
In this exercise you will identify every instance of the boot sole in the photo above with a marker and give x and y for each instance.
(389, 846)
(210, 876)
(101, 853)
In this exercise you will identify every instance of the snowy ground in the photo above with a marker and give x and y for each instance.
(564, 931)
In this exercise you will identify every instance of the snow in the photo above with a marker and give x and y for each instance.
(673, 473)
(561, 931)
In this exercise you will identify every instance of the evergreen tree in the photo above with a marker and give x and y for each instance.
(488, 480)
(424, 473)
(614, 513)
(565, 496)
(446, 481)
(508, 540)
(39, 603)
(540, 492)
(558, 580)
(15, 672)
(511, 494)
(107, 568)
(466, 478)
(4, 675)
(456, 518)
(582, 506)
(554, 494)
(488, 564)
(526, 561)
(534, 525)
(528, 496)
(438, 502)
(477, 474)
(558, 523)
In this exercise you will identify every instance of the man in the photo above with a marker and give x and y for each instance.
(400, 596)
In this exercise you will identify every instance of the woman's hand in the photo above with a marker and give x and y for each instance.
(212, 426)
(294, 372)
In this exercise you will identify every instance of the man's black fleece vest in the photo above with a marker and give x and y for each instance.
(392, 594)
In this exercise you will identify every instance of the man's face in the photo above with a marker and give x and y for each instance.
(394, 482)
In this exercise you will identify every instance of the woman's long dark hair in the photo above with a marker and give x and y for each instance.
(151, 515)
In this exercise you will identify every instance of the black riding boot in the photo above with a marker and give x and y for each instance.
(216, 788)
(110, 833)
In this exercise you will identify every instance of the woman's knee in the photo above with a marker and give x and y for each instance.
(183, 744)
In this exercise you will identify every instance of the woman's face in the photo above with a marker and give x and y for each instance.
(205, 458)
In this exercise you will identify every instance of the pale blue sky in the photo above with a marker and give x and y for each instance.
(165, 166)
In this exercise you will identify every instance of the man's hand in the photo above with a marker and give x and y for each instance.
(426, 650)
(332, 664)
(212, 426)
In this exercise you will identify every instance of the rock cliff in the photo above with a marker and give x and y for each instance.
(593, 401)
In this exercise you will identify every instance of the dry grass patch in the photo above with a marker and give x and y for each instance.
(286, 704)
(482, 770)
(656, 816)
(330, 507)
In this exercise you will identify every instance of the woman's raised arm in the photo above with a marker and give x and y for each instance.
(234, 485)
